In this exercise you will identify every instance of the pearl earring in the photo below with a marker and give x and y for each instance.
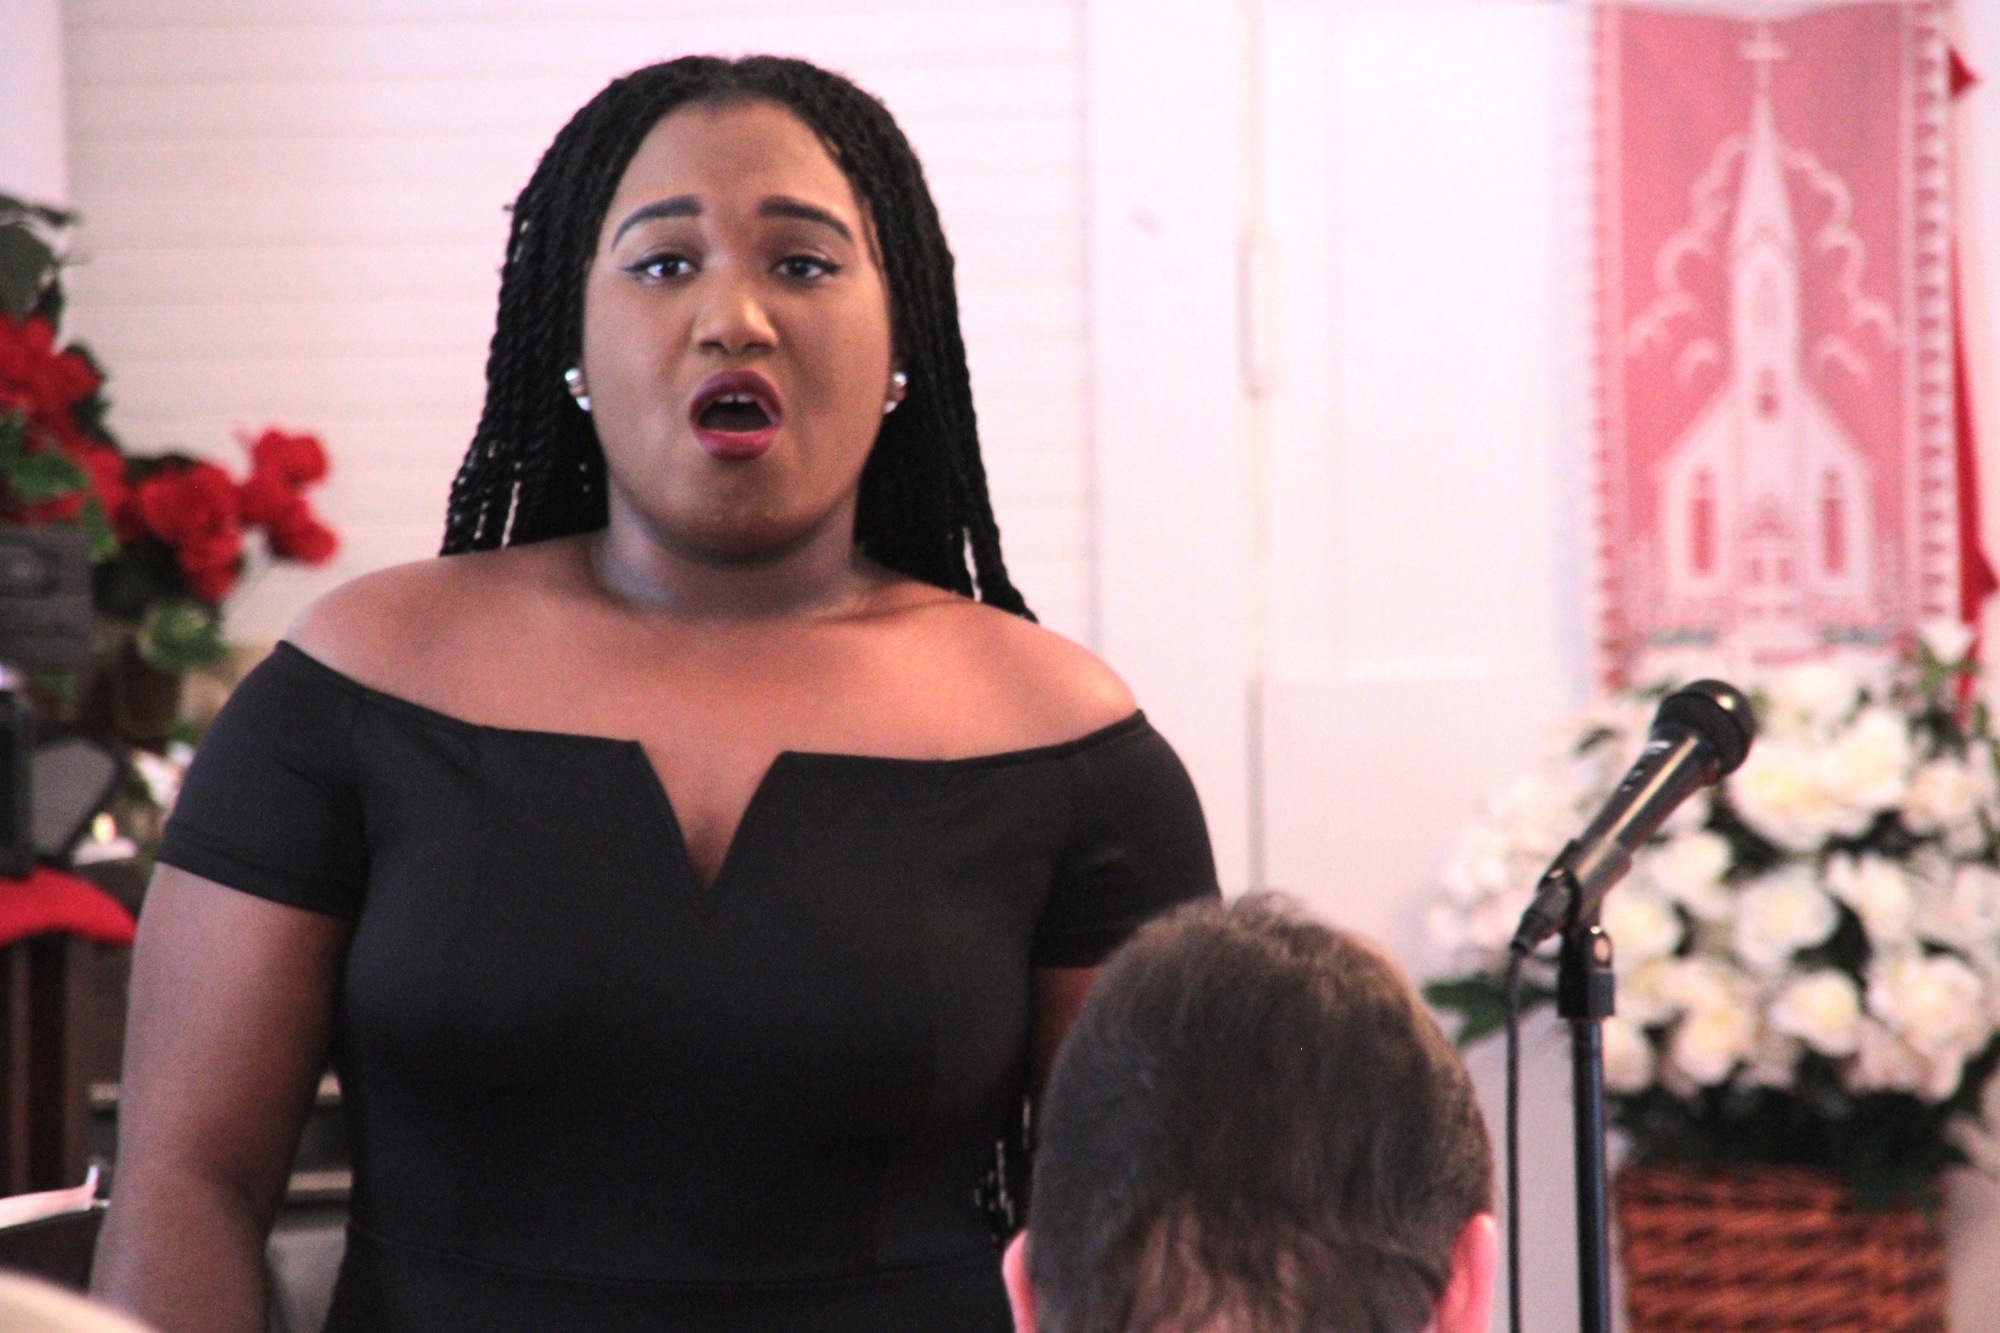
(573, 377)
(902, 382)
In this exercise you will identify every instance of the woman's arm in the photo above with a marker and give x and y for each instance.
(1059, 993)
(231, 1012)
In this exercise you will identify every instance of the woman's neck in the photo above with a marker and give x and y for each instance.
(818, 574)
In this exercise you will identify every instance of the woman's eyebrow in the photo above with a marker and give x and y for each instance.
(680, 206)
(779, 206)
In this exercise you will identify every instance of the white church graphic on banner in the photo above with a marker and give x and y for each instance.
(1765, 527)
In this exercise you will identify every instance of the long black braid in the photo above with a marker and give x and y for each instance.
(535, 469)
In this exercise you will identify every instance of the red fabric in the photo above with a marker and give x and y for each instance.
(1976, 580)
(51, 902)
(1962, 76)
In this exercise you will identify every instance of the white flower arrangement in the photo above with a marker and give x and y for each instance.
(1808, 957)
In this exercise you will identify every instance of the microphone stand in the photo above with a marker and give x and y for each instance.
(1585, 996)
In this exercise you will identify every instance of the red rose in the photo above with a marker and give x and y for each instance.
(104, 478)
(266, 501)
(210, 560)
(62, 509)
(300, 536)
(106, 467)
(178, 504)
(295, 460)
(34, 376)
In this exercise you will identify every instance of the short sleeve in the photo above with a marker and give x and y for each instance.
(1137, 847)
(270, 804)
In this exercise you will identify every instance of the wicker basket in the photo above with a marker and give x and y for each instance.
(1771, 1250)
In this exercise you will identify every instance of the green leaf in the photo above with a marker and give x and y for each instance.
(12, 209)
(25, 263)
(51, 303)
(13, 429)
(36, 477)
(97, 526)
(1481, 1003)
(180, 635)
(186, 731)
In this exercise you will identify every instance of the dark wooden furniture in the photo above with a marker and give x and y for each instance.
(61, 1022)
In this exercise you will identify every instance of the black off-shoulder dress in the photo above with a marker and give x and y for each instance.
(585, 1094)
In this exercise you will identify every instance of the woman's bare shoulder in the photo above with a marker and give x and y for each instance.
(1060, 689)
(385, 626)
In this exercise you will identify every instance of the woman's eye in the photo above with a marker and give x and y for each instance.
(804, 268)
(662, 268)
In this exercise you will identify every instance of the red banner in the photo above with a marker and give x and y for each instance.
(1778, 468)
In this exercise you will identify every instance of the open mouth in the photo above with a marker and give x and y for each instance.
(735, 414)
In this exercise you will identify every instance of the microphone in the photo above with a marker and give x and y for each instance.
(1701, 734)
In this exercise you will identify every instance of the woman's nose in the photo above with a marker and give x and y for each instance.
(733, 319)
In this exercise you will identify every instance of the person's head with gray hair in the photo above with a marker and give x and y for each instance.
(1256, 1127)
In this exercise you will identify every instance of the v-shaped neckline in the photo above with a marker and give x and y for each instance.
(704, 897)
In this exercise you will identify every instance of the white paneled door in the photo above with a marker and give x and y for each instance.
(1339, 268)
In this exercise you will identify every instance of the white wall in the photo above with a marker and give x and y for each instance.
(1425, 479)
(1167, 409)
(293, 213)
(34, 160)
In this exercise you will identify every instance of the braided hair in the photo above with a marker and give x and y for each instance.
(535, 469)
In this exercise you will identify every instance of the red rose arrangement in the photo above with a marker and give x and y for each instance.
(168, 532)
(201, 513)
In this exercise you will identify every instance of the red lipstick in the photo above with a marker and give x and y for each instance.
(735, 415)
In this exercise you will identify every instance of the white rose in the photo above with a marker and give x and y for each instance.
(1942, 1074)
(1968, 839)
(1965, 910)
(1985, 780)
(1868, 765)
(1699, 982)
(1628, 1056)
(1879, 891)
(1935, 1003)
(1884, 1062)
(1943, 796)
(1643, 926)
(1948, 639)
(1774, 1062)
(1780, 914)
(1643, 993)
(1781, 792)
(1689, 870)
(1709, 1042)
(1478, 868)
(1809, 699)
(1822, 1009)
(1526, 814)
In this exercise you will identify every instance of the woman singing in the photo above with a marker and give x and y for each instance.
(691, 870)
